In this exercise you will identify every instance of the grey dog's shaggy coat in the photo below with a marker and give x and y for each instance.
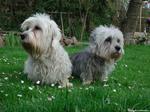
(97, 61)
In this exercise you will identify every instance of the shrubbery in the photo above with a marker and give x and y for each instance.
(79, 17)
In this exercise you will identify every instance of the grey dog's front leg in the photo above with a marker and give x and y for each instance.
(86, 77)
(104, 78)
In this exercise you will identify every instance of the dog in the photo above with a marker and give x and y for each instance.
(98, 59)
(47, 62)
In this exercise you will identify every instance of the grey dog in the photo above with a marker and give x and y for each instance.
(97, 61)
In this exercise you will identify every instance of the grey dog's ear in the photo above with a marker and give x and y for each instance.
(92, 42)
(92, 37)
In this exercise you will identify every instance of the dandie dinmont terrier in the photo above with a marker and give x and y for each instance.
(47, 62)
(97, 61)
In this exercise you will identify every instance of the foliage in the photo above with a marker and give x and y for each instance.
(98, 12)
(128, 86)
(12, 40)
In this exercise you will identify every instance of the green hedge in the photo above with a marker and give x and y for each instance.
(14, 12)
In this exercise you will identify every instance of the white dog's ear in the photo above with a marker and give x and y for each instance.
(56, 34)
(23, 26)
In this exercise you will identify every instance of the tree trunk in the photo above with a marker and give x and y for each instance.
(130, 23)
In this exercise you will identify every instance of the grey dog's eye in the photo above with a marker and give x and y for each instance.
(108, 39)
(118, 40)
(37, 28)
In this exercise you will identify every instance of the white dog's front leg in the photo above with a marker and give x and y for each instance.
(65, 83)
(27, 67)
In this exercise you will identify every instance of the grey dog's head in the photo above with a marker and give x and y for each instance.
(107, 42)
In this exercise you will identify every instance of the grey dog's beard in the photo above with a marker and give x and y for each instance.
(116, 55)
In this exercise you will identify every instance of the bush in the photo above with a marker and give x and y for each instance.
(73, 17)
(12, 40)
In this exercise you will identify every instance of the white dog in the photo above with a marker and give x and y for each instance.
(48, 62)
(97, 61)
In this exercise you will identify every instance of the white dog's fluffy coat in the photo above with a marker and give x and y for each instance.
(97, 61)
(48, 62)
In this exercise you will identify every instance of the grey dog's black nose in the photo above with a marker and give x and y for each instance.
(117, 48)
(23, 36)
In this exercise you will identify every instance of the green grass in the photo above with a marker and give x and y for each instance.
(129, 86)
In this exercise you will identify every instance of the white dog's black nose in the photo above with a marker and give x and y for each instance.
(117, 48)
(23, 36)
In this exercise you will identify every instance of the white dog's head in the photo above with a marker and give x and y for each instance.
(107, 42)
(40, 34)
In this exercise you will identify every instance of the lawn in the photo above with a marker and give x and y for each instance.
(128, 87)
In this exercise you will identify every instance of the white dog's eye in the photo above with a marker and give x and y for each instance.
(108, 39)
(27, 28)
(37, 28)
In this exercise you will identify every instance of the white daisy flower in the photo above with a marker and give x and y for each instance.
(2, 91)
(22, 81)
(30, 88)
(69, 90)
(114, 90)
(52, 85)
(119, 84)
(129, 87)
(12, 84)
(59, 87)
(52, 97)
(126, 65)
(80, 88)
(86, 88)
(49, 99)
(91, 87)
(3, 73)
(19, 95)
(40, 92)
(105, 85)
(6, 78)
(116, 104)
(38, 82)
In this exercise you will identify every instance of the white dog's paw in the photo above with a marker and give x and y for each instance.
(69, 85)
(87, 82)
(66, 84)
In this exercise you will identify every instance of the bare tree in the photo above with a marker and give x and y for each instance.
(132, 16)
(119, 8)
